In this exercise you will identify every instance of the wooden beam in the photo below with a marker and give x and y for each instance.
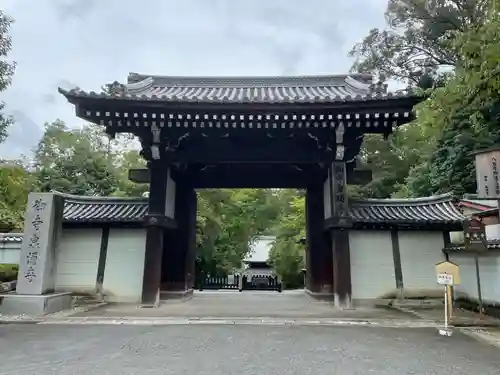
(213, 151)
(250, 175)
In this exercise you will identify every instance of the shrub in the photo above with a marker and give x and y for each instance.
(8, 272)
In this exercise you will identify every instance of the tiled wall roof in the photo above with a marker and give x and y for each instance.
(440, 209)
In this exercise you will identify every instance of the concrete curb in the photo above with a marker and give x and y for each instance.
(455, 324)
(245, 321)
(20, 321)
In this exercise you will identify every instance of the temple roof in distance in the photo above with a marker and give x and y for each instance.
(226, 90)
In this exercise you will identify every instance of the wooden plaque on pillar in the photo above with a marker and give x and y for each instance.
(339, 204)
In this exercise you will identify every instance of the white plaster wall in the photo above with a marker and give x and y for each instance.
(77, 260)
(420, 251)
(170, 197)
(124, 265)
(492, 232)
(326, 198)
(489, 271)
(10, 253)
(372, 264)
(457, 238)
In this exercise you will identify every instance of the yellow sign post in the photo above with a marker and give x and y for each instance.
(447, 274)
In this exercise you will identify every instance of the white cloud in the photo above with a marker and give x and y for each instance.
(89, 43)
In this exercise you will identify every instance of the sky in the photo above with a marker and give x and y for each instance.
(88, 43)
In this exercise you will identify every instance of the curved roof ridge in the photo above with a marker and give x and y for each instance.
(358, 85)
(357, 81)
(446, 197)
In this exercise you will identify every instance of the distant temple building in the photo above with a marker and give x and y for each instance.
(257, 260)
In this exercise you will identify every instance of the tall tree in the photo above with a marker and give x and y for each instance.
(227, 222)
(75, 161)
(6, 69)
(123, 161)
(466, 111)
(288, 251)
(416, 43)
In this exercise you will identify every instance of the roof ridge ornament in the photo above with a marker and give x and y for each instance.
(379, 88)
(117, 89)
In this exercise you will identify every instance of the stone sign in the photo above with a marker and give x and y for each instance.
(487, 173)
(42, 227)
(474, 235)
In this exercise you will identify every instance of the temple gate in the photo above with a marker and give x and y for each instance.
(246, 132)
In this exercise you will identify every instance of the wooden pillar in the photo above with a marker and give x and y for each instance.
(396, 256)
(319, 263)
(191, 223)
(342, 288)
(178, 259)
(154, 222)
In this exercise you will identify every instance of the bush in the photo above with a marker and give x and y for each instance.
(8, 272)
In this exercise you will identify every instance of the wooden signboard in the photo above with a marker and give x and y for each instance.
(447, 268)
(487, 173)
(475, 235)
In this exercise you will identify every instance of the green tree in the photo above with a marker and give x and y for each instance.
(74, 161)
(15, 184)
(227, 222)
(464, 113)
(123, 161)
(6, 69)
(390, 161)
(288, 251)
(416, 43)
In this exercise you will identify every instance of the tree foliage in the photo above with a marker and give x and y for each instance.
(6, 69)
(416, 42)
(74, 161)
(15, 184)
(228, 220)
(288, 251)
(463, 115)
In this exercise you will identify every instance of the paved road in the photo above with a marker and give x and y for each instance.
(263, 350)
(290, 304)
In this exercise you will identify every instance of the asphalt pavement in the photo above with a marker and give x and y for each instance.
(239, 349)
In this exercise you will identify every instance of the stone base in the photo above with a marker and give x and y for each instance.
(342, 303)
(34, 305)
(175, 294)
(320, 296)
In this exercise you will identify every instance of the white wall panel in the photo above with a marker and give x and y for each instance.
(77, 260)
(124, 265)
(372, 264)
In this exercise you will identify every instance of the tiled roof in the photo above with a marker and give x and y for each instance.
(11, 237)
(430, 210)
(440, 209)
(479, 204)
(104, 209)
(301, 89)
